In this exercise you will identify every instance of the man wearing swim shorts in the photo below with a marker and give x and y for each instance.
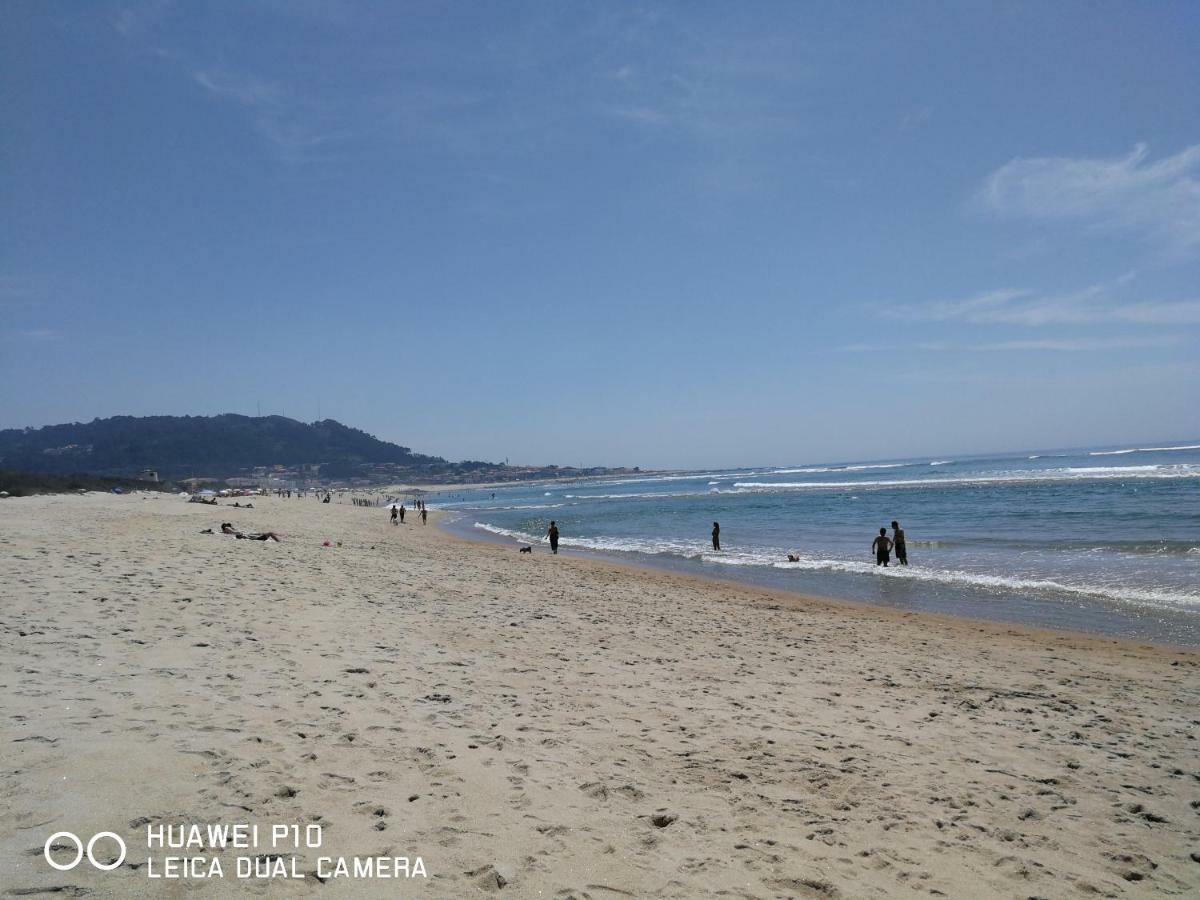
(881, 547)
(898, 544)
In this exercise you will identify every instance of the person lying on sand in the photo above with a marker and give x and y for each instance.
(258, 536)
(227, 528)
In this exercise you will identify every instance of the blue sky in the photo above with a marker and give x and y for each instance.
(666, 234)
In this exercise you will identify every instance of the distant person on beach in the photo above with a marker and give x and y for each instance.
(552, 533)
(227, 528)
(898, 544)
(881, 547)
(716, 533)
(258, 536)
(401, 513)
(395, 515)
(424, 514)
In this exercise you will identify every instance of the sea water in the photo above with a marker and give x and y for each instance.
(1104, 540)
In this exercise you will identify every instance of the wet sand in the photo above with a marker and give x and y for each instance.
(559, 727)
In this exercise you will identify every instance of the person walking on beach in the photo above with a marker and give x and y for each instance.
(424, 514)
(716, 533)
(401, 513)
(881, 547)
(395, 515)
(898, 544)
(552, 533)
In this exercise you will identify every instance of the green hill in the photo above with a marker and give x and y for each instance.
(218, 446)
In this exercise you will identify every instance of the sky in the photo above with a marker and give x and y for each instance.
(603, 233)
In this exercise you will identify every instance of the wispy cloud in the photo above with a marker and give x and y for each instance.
(39, 334)
(1048, 345)
(1095, 304)
(31, 335)
(1158, 200)
(916, 118)
(132, 19)
(1077, 345)
(293, 127)
(239, 87)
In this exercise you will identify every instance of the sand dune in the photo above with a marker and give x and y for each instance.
(537, 726)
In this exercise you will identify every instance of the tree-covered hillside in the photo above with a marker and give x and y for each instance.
(178, 446)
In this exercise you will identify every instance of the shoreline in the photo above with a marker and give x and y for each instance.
(558, 726)
(802, 600)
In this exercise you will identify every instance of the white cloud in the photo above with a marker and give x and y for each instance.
(294, 126)
(1158, 200)
(30, 335)
(244, 89)
(1076, 345)
(916, 118)
(1050, 345)
(1096, 304)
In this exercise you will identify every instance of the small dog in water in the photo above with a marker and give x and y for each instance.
(526, 549)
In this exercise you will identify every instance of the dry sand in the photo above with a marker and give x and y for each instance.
(537, 726)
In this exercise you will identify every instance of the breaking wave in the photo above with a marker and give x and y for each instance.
(777, 559)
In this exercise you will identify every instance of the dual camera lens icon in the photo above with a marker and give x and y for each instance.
(80, 851)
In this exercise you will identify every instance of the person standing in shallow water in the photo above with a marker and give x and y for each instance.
(716, 535)
(898, 544)
(552, 533)
(881, 547)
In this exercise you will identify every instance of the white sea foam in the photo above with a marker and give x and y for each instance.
(1144, 450)
(518, 506)
(689, 476)
(1138, 596)
(777, 559)
(1109, 470)
(620, 545)
(941, 462)
(1063, 474)
(812, 470)
(645, 495)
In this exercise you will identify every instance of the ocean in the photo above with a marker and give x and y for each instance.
(1104, 540)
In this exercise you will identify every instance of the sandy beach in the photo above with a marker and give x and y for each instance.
(539, 726)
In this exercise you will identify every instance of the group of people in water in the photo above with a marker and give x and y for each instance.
(883, 546)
